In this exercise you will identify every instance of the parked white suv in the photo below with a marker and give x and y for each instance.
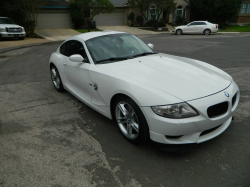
(196, 27)
(8, 29)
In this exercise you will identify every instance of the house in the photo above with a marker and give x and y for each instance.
(54, 15)
(243, 17)
(123, 9)
(118, 17)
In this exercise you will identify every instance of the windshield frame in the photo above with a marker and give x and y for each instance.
(118, 34)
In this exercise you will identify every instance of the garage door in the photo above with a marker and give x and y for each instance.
(53, 21)
(113, 19)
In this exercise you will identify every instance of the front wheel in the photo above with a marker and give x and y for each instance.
(179, 32)
(131, 120)
(207, 32)
(56, 79)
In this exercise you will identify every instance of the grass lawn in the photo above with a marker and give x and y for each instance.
(86, 30)
(236, 28)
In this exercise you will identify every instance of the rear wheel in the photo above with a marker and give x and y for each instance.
(207, 32)
(130, 120)
(179, 32)
(56, 79)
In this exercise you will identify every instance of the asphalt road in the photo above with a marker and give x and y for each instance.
(52, 139)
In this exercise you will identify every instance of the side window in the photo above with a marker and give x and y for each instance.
(75, 47)
(202, 23)
(63, 48)
(193, 24)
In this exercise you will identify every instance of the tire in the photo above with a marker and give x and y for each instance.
(178, 32)
(130, 120)
(56, 79)
(207, 32)
(21, 38)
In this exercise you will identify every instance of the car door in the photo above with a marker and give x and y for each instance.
(191, 28)
(76, 74)
(201, 27)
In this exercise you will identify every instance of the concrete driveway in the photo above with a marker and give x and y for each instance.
(56, 34)
(131, 30)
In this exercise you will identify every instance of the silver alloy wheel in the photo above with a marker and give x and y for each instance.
(55, 78)
(127, 120)
(207, 32)
(179, 32)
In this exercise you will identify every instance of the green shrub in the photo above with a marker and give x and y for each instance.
(29, 26)
(131, 16)
(161, 23)
(139, 20)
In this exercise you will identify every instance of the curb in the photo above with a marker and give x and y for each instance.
(233, 32)
(28, 45)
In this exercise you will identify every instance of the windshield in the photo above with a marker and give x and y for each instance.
(6, 21)
(116, 47)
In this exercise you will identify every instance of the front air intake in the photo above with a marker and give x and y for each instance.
(217, 110)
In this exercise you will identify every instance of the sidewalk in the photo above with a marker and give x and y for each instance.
(131, 30)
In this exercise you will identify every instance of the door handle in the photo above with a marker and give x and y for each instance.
(64, 64)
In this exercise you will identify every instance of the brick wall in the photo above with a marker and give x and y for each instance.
(244, 19)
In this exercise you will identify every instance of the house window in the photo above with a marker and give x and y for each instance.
(244, 6)
(153, 12)
(179, 12)
(248, 9)
(173, 15)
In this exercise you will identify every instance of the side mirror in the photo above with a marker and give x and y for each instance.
(151, 46)
(76, 58)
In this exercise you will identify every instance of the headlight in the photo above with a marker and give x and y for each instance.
(180, 110)
(2, 29)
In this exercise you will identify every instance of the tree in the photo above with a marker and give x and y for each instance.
(142, 5)
(76, 14)
(161, 5)
(32, 7)
(91, 8)
(218, 11)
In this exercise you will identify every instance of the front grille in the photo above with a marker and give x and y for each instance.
(217, 110)
(234, 99)
(209, 130)
(14, 30)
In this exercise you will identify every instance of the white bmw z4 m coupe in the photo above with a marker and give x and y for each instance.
(197, 27)
(150, 95)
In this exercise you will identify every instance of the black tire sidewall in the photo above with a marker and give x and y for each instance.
(143, 135)
(179, 30)
(207, 30)
(61, 88)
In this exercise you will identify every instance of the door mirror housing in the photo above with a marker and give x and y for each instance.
(151, 46)
(76, 58)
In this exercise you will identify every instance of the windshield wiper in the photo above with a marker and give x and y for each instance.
(143, 54)
(112, 59)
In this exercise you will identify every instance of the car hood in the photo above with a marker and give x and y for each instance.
(184, 78)
(9, 25)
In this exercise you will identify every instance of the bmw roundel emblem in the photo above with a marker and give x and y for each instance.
(226, 94)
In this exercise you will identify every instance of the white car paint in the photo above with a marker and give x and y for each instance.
(197, 27)
(158, 79)
(8, 31)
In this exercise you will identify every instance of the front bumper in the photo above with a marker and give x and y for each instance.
(196, 129)
(12, 34)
